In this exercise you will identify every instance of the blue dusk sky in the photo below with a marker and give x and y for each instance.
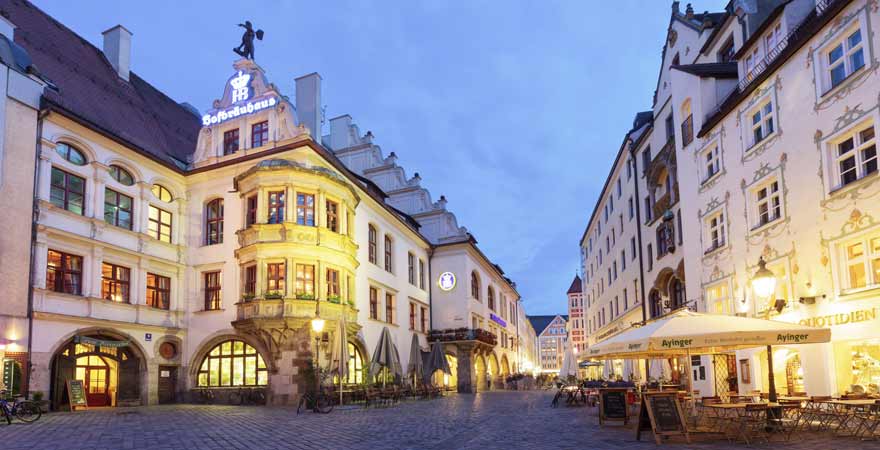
(512, 109)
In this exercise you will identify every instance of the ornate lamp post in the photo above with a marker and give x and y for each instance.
(764, 285)
(318, 328)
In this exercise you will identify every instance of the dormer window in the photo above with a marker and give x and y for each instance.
(260, 134)
(230, 141)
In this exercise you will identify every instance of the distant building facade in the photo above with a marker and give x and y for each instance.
(552, 338)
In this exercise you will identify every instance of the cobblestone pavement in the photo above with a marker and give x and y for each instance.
(495, 420)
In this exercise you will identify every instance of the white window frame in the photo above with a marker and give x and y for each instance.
(860, 145)
(765, 122)
(767, 194)
(710, 157)
(867, 258)
(848, 51)
(823, 65)
(715, 228)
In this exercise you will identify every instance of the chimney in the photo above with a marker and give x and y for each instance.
(7, 28)
(117, 49)
(308, 103)
(675, 7)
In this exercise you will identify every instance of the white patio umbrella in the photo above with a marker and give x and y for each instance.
(569, 364)
(339, 353)
(685, 332)
(385, 355)
(414, 367)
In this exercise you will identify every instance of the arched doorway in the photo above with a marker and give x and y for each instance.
(494, 375)
(447, 381)
(480, 373)
(110, 367)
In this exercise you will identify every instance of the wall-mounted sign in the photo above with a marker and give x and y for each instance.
(148, 337)
(446, 282)
(497, 320)
(831, 320)
(241, 93)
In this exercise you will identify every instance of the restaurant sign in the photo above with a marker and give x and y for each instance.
(830, 320)
(497, 320)
(241, 94)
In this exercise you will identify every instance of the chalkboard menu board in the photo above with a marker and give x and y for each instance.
(612, 405)
(661, 413)
(76, 394)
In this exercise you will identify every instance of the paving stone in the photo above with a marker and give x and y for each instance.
(486, 421)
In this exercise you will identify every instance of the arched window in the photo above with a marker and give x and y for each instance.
(656, 304)
(491, 298)
(233, 363)
(687, 122)
(162, 193)
(355, 365)
(214, 222)
(676, 293)
(121, 175)
(70, 153)
(475, 285)
(372, 242)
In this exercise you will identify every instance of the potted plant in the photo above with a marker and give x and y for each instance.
(272, 295)
(304, 296)
(37, 397)
(247, 297)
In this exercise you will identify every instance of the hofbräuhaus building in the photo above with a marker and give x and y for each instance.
(174, 249)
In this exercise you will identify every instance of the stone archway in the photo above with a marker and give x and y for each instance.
(494, 372)
(505, 370)
(480, 374)
(111, 365)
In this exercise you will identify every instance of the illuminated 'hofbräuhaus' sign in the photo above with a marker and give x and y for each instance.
(241, 92)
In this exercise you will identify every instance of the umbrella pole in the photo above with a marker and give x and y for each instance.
(771, 379)
(693, 401)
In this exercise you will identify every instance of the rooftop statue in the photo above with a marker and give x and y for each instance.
(246, 48)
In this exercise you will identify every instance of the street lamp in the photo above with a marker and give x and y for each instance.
(764, 285)
(318, 328)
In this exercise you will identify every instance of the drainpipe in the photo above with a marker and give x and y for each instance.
(35, 215)
(430, 291)
(638, 201)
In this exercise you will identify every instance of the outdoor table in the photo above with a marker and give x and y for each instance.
(846, 412)
(728, 414)
(794, 398)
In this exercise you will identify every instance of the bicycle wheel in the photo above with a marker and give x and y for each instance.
(236, 398)
(323, 404)
(302, 404)
(28, 412)
(258, 397)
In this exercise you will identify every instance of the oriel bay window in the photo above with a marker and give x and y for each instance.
(213, 297)
(214, 222)
(276, 207)
(856, 155)
(862, 262)
(68, 191)
(64, 273)
(115, 283)
(305, 209)
(117, 209)
(158, 291)
(333, 216)
(250, 211)
(305, 281)
(233, 363)
(333, 292)
(275, 276)
(159, 224)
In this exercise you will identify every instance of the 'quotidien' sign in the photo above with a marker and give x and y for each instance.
(831, 320)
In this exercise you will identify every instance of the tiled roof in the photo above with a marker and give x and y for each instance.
(89, 88)
(540, 323)
(710, 70)
(575, 287)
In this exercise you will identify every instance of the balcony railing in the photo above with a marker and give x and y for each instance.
(462, 334)
(278, 308)
(822, 7)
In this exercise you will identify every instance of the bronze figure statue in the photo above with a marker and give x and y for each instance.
(246, 49)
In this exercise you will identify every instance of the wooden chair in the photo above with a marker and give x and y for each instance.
(789, 420)
(816, 415)
(752, 424)
(372, 397)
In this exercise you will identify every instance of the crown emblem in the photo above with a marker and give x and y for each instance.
(239, 85)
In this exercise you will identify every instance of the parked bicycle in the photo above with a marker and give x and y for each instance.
(318, 402)
(203, 396)
(247, 397)
(26, 411)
